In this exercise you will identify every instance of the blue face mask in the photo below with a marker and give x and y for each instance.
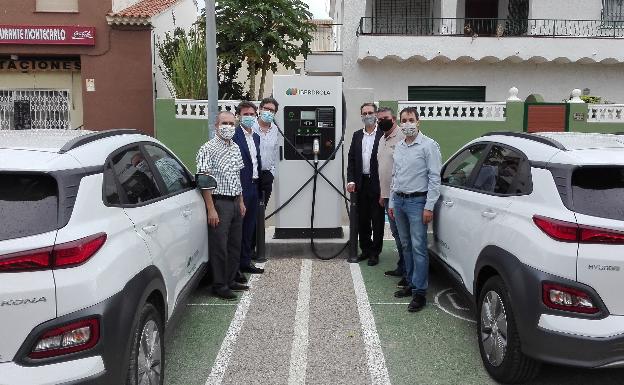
(248, 121)
(267, 116)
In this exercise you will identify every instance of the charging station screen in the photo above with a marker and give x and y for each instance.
(308, 115)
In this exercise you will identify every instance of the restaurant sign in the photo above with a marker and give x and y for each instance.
(59, 35)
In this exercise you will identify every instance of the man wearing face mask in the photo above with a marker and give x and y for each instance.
(249, 144)
(221, 158)
(415, 190)
(363, 178)
(392, 135)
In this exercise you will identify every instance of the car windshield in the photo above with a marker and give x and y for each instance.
(28, 205)
(599, 191)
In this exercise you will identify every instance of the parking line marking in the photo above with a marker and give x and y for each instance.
(437, 303)
(390, 303)
(227, 347)
(454, 303)
(299, 351)
(212, 304)
(374, 355)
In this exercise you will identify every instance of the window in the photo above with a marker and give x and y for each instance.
(29, 205)
(172, 172)
(457, 172)
(504, 171)
(57, 6)
(599, 191)
(135, 177)
(612, 11)
(446, 93)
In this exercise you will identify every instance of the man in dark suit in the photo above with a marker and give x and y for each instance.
(249, 144)
(363, 178)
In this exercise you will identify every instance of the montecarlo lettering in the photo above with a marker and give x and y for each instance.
(22, 301)
(603, 267)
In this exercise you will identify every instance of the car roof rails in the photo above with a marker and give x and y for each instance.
(524, 135)
(92, 137)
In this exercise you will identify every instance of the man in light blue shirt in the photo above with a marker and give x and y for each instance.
(269, 146)
(414, 192)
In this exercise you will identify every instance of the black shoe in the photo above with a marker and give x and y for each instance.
(403, 283)
(225, 294)
(238, 287)
(252, 269)
(405, 292)
(393, 273)
(240, 278)
(373, 260)
(362, 257)
(418, 303)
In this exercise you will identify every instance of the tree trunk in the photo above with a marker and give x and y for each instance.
(265, 65)
(252, 77)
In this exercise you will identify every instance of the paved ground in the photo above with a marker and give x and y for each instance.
(303, 322)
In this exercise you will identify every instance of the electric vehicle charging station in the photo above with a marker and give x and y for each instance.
(311, 120)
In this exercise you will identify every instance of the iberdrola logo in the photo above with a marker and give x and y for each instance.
(292, 91)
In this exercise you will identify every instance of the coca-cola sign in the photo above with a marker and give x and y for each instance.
(39, 34)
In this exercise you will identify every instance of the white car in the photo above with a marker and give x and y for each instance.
(102, 234)
(532, 227)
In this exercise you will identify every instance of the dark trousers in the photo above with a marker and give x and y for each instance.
(250, 198)
(266, 187)
(224, 244)
(371, 219)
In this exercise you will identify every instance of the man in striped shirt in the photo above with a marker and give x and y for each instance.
(221, 158)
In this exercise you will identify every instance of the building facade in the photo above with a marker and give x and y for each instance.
(476, 50)
(78, 63)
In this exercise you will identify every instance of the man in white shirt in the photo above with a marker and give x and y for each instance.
(269, 147)
(363, 178)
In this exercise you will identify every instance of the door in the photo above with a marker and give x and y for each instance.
(450, 226)
(189, 203)
(481, 17)
(546, 117)
(156, 219)
(34, 109)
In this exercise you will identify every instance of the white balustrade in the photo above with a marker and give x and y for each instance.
(466, 111)
(198, 109)
(606, 113)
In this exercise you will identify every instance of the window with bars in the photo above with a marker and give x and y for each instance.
(613, 12)
(34, 109)
(412, 17)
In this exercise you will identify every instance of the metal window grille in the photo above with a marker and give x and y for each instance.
(613, 11)
(34, 109)
(402, 16)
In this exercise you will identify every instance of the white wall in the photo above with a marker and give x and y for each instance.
(390, 79)
(565, 9)
(119, 5)
(185, 15)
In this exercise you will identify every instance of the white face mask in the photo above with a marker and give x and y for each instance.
(409, 129)
(142, 166)
(369, 120)
(226, 131)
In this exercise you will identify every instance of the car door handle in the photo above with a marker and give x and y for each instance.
(489, 214)
(150, 228)
(187, 213)
(448, 203)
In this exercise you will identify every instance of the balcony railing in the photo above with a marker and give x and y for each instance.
(491, 27)
(327, 38)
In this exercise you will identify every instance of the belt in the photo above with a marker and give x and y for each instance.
(365, 175)
(412, 195)
(224, 197)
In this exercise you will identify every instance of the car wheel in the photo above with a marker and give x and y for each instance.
(499, 342)
(147, 354)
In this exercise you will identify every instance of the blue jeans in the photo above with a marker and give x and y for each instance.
(408, 214)
(395, 234)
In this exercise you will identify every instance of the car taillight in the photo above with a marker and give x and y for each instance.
(71, 338)
(571, 232)
(568, 299)
(31, 260)
(77, 252)
(60, 256)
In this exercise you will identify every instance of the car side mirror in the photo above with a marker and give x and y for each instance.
(205, 181)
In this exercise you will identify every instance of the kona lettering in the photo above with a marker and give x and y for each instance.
(22, 301)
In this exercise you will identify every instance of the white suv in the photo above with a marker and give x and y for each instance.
(101, 236)
(532, 227)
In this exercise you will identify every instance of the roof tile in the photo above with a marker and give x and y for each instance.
(145, 8)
